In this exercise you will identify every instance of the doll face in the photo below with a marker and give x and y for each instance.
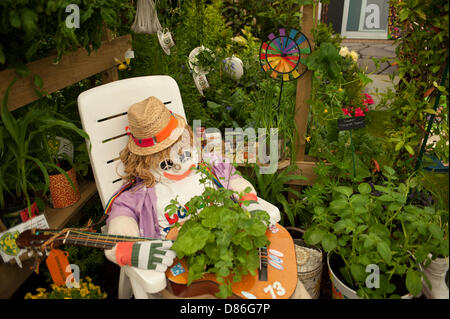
(183, 158)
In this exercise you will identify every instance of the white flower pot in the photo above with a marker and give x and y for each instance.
(234, 67)
(341, 291)
(436, 272)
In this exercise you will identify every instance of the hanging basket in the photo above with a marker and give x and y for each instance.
(61, 191)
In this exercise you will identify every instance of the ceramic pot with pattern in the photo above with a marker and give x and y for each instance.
(61, 190)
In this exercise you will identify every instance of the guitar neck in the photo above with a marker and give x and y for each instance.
(96, 240)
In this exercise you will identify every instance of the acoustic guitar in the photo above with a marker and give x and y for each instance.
(276, 277)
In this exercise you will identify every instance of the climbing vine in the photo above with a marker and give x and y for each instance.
(422, 56)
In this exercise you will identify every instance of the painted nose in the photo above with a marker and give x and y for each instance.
(177, 167)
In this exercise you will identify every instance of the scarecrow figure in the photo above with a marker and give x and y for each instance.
(159, 160)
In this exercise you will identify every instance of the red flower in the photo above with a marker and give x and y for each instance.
(346, 112)
(368, 100)
(359, 112)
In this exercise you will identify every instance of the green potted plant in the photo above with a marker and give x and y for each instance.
(274, 111)
(202, 60)
(64, 191)
(220, 237)
(25, 172)
(375, 239)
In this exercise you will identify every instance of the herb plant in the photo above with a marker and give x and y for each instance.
(363, 227)
(220, 237)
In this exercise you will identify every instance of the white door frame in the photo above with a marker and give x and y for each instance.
(366, 34)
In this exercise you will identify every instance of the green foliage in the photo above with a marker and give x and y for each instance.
(220, 237)
(31, 29)
(265, 16)
(422, 53)
(377, 225)
(268, 114)
(23, 143)
(338, 86)
(271, 186)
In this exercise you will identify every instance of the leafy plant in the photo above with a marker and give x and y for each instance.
(204, 60)
(31, 29)
(270, 186)
(274, 111)
(22, 148)
(220, 237)
(422, 56)
(363, 228)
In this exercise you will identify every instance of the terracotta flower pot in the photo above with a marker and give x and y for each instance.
(63, 195)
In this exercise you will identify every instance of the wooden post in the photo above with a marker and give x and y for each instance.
(304, 86)
(112, 74)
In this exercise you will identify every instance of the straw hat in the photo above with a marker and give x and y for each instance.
(152, 127)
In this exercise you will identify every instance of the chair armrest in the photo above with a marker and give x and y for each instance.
(271, 209)
(149, 280)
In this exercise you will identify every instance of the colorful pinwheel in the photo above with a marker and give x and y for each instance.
(283, 57)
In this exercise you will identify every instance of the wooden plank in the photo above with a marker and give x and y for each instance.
(306, 168)
(11, 275)
(71, 69)
(304, 88)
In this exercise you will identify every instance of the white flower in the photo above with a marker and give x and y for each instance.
(354, 56)
(344, 52)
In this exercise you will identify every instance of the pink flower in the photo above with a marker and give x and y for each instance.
(359, 112)
(346, 112)
(368, 100)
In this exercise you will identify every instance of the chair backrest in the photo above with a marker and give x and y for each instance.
(103, 112)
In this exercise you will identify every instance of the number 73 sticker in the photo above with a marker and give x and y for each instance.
(275, 289)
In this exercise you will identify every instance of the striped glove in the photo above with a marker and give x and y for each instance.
(154, 255)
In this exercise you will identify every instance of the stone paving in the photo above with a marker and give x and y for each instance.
(368, 49)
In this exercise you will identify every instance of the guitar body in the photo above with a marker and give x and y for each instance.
(281, 281)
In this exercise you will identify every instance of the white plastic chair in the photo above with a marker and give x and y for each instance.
(103, 113)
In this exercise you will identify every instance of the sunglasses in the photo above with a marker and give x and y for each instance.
(168, 164)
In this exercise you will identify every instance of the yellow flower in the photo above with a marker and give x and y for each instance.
(84, 292)
(308, 138)
(325, 111)
(344, 52)
(340, 90)
(239, 40)
(354, 56)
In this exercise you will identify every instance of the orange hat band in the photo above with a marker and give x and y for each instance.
(158, 138)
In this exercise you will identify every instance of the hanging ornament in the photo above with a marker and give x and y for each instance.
(234, 67)
(200, 61)
(201, 82)
(165, 40)
(146, 20)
